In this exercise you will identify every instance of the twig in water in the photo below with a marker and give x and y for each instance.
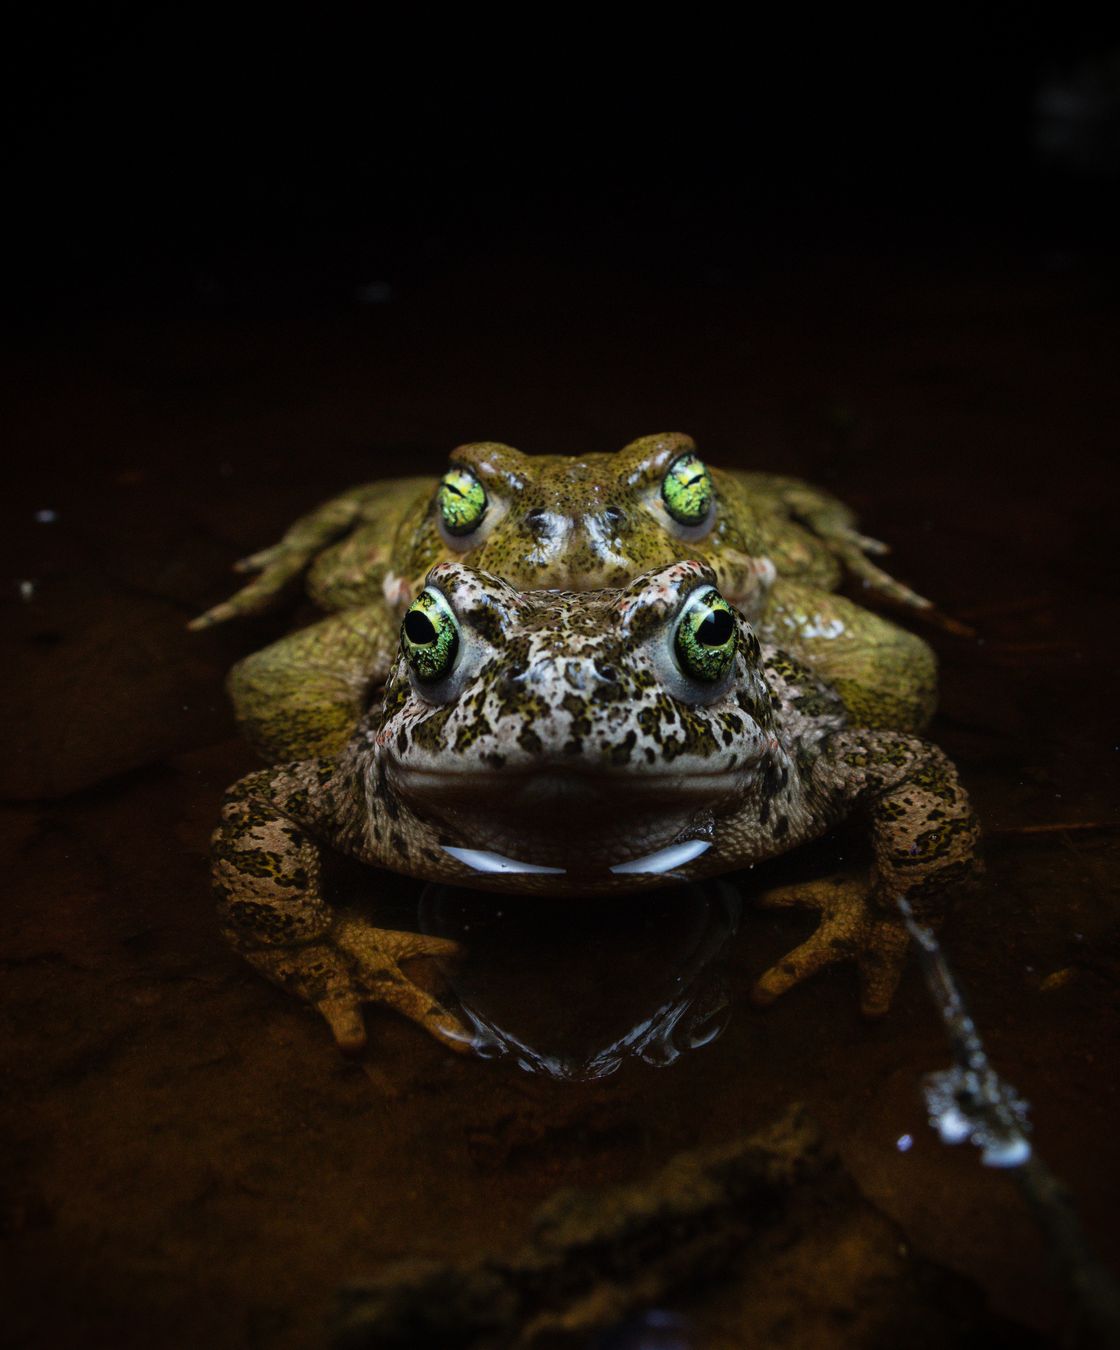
(970, 1101)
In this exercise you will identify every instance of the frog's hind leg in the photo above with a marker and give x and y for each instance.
(281, 565)
(303, 695)
(266, 870)
(834, 524)
(886, 676)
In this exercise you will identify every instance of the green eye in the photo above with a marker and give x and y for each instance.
(462, 501)
(687, 489)
(430, 636)
(706, 637)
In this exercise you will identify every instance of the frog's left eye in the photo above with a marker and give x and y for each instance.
(706, 637)
(461, 501)
(687, 489)
(430, 636)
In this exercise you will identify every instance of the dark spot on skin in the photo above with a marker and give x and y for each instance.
(576, 708)
(620, 754)
(529, 741)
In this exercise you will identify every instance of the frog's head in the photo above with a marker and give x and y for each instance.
(588, 521)
(582, 732)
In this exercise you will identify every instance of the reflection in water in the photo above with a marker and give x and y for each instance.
(571, 990)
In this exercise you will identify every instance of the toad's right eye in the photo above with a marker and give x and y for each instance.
(706, 637)
(461, 501)
(430, 636)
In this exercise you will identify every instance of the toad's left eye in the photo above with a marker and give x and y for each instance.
(687, 490)
(706, 637)
(461, 501)
(430, 636)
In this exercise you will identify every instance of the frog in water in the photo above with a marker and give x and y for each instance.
(778, 547)
(583, 745)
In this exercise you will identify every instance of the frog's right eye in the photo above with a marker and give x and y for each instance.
(430, 637)
(687, 490)
(461, 501)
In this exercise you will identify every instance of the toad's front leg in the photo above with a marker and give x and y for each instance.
(302, 696)
(924, 838)
(266, 870)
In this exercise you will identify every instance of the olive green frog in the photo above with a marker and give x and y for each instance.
(778, 547)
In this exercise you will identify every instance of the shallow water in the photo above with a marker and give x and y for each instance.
(187, 1159)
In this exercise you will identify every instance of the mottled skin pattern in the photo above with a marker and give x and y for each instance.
(778, 547)
(564, 751)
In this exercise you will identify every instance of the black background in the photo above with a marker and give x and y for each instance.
(172, 159)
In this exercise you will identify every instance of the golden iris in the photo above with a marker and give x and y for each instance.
(706, 637)
(687, 489)
(462, 501)
(430, 636)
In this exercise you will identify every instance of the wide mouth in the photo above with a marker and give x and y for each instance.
(575, 822)
(516, 790)
(557, 810)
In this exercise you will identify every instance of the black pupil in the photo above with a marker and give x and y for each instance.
(419, 628)
(716, 628)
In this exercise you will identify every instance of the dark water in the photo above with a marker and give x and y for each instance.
(186, 1158)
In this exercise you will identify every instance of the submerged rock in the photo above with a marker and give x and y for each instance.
(772, 1217)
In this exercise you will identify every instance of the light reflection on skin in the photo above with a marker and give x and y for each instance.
(653, 864)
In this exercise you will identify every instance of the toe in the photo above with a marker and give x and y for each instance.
(408, 946)
(219, 614)
(409, 999)
(826, 896)
(823, 949)
(880, 965)
(377, 948)
(344, 1017)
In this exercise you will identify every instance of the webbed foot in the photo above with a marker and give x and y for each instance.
(354, 964)
(851, 929)
(278, 569)
(853, 549)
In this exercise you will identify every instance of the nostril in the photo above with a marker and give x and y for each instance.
(537, 521)
(615, 515)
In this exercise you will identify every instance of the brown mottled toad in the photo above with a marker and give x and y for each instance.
(583, 745)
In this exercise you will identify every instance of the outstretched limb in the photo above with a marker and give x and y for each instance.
(924, 838)
(283, 563)
(266, 871)
(302, 696)
(834, 523)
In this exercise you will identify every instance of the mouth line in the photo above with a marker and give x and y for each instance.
(559, 777)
